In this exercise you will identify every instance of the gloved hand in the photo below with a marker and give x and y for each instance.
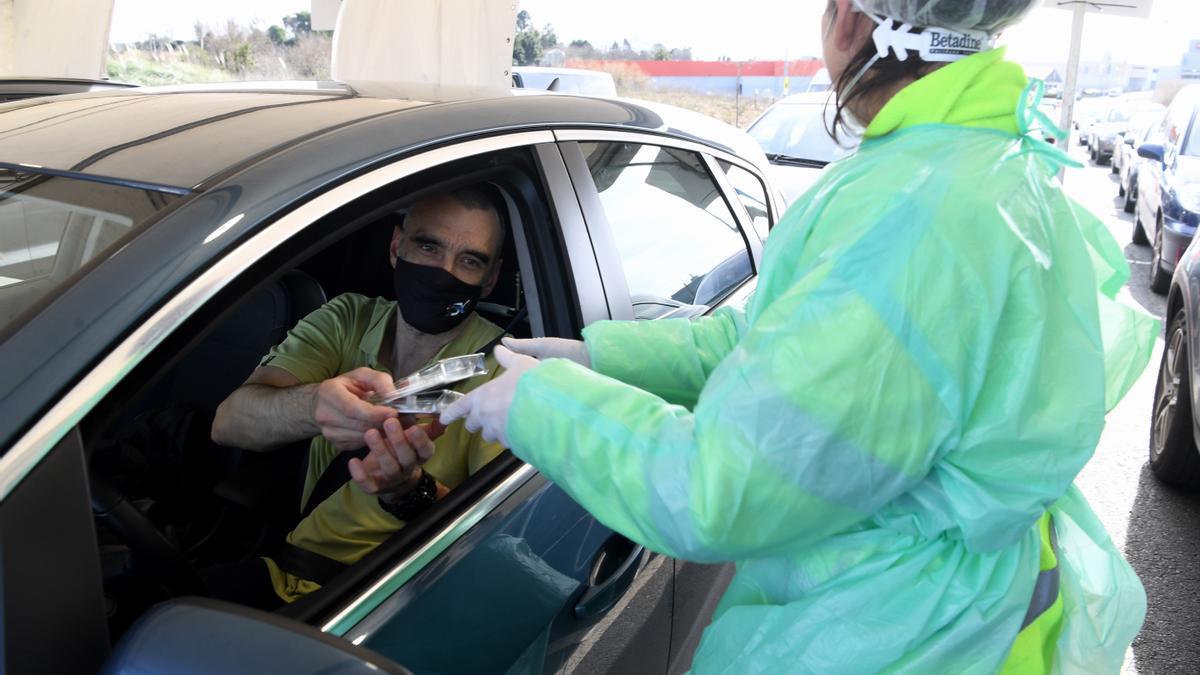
(551, 348)
(486, 407)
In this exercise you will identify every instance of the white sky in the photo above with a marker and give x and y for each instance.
(745, 29)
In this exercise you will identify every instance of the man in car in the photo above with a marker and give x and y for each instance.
(318, 382)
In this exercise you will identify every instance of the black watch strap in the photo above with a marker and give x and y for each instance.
(415, 501)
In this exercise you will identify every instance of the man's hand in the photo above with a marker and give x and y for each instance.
(341, 412)
(392, 466)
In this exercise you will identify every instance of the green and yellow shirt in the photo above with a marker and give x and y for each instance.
(347, 333)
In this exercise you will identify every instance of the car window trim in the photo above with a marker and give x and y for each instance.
(738, 209)
(604, 246)
(604, 135)
(360, 608)
(36, 442)
(647, 138)
(577, 237)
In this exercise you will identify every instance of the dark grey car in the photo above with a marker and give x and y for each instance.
(18, 88)
(154, 244)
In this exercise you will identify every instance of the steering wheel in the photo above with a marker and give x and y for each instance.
(165, 561)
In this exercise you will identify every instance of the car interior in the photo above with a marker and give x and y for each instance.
(168, 501)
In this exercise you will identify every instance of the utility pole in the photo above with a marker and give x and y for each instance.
(1068, 106)
(737, 98)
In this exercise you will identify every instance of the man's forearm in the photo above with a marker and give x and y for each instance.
(262, 417)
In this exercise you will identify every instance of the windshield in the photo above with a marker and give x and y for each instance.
(583, 82)
(52, 226)
(1117, 115)
(800, 130)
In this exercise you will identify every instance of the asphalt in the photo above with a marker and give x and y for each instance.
(1155, 525)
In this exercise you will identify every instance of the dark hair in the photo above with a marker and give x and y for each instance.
(473, 199)
(477, 199)
(883, 73)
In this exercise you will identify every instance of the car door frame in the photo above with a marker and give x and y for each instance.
(32, 449)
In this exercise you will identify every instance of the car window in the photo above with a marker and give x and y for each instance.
(1193, 140)
(678, 240)
(752, 195)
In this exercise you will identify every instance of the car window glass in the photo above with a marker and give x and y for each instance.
(679, 243)
(50, 227)
(1193, 142)
(752, 195)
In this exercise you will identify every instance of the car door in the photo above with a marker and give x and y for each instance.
(507, 573)
(676, 235)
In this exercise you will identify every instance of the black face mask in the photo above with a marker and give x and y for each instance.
(431, 299)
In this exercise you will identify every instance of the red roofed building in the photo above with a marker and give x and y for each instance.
(720, 77)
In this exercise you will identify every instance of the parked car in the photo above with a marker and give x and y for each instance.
(1106, 133)
(794, 133)
(1174, 428)
(1088, 113)
(1168, 188)
(565, 80)
(17, 88)
(1125, 161)
(155, 242)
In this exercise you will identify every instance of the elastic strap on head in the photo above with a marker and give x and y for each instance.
(933, 44)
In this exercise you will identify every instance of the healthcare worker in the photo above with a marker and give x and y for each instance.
(884, 442)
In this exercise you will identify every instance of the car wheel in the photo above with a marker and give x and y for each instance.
(1129, 206)
(1173, 455)
(1160, 280)
(1139, 232)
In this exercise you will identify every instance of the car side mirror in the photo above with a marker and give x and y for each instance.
(1129, 141)
(208, 636)
(1151, 151)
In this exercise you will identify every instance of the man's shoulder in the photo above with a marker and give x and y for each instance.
(358, 302)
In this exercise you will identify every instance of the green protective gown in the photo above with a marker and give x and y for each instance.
(923, 369)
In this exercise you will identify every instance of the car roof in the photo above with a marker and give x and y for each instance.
(181, 137)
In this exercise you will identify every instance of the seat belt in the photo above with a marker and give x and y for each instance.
(302, 562)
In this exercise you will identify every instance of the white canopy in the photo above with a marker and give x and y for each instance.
(54, 38)
(442, 48)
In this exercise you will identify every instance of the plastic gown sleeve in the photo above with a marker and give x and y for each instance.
(686, 352)
(802, 430)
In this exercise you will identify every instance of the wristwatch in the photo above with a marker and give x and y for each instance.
(415, 501)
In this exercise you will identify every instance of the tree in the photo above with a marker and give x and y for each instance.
(524, 22)
(527, 45)
(660, 52)
(581, 44)
(548, 40)
(299, 23)
(277, 35)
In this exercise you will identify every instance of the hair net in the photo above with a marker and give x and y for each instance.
(990, 16)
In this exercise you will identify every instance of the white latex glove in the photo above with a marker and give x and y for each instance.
(486, 407)
(551, 348)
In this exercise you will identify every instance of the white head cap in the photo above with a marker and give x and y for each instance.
(987, 16)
